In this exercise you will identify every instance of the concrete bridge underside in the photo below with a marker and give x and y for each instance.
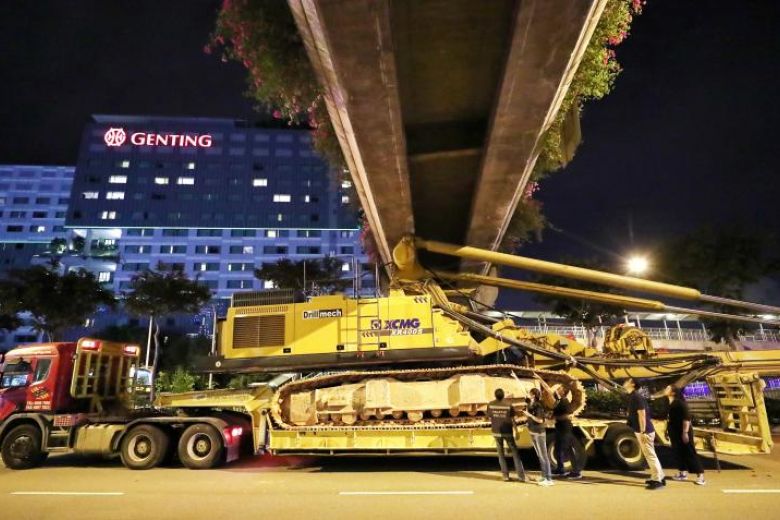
(439, 105)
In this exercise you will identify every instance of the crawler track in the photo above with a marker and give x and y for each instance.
(428, 422)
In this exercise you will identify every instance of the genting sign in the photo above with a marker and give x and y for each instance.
(117, 137)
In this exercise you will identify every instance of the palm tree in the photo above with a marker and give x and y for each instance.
(157, 294)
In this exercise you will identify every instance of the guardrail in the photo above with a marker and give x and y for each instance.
(657, 333)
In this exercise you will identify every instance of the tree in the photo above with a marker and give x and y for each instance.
(721, 262)
(158, 294)
(325, 273)
(587, 313)
(58, 245)
(55, 301)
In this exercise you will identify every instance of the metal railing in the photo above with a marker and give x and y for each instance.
(580, 333)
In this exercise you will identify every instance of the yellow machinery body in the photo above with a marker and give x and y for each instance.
(336, 331)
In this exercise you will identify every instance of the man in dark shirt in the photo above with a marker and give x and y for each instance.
(502, 424)
(640, 421)
(564, 436)
(680, 432)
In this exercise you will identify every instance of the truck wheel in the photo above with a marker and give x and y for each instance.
(144, 447)
(21, 448)
(579, 453)
(621, 448)
(201, 447)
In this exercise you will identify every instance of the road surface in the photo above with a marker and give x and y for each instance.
(378, 488)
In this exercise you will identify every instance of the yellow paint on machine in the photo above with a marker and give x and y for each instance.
(329, 324)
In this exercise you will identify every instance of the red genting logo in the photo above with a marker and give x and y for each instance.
(114, 137)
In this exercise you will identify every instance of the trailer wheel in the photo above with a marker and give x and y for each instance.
(21, 448)
(144, 447)
(201, 447)
(579, 453)
(621, 448)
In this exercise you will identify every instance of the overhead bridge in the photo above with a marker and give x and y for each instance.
(440, 105)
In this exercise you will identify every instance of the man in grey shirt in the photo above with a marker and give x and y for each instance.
(502, 423)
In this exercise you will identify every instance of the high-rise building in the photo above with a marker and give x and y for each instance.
(33, 202)
(214, 197)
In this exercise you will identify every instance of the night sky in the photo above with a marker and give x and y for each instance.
(686, 138)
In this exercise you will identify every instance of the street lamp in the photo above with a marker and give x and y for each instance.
(637, 265)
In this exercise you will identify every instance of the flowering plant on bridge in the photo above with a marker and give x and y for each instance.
(262, 36)
(593, 79)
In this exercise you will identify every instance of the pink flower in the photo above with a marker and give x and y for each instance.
(277, 114)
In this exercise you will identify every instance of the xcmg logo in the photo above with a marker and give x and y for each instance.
(410, 323)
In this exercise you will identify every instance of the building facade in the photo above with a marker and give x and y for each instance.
(214, 197)
(33, 203)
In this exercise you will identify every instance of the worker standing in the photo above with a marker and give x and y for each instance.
(501, 414)
(564, 435)
(640, 421)
(537, 414)
(680, 432)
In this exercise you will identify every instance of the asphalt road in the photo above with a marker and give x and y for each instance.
(378, 488)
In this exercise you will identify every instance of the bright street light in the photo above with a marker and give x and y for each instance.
(637, 265)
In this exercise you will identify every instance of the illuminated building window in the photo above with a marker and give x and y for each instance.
(257, 183)
(108, 215)
(345, 199)
(307, 198)
(161, 180)
(38, 229)
(242, 250)
(124, 164)
(279, 217)
(190, 166)
(173, 250)
(115, 195)
(185, 181)
(345, 185)
(282, 197)
(204, 266)
(89, 195)
(104, 276)
(268, 284)
(117, 179)
(270, 233)
(345, 267)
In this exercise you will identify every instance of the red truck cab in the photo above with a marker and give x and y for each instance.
(37, 378)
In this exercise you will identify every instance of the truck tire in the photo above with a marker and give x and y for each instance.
(201, 447)
(579, 453)
(621, 448)
(144, 447)
(21, 448)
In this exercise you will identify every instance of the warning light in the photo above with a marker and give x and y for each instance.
(90, 344)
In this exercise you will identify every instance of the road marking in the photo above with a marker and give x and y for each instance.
(745, 491)
(69, 493)
(352, 493)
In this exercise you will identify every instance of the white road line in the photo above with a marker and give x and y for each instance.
(353, 493)
(746, 491)
(69, 493)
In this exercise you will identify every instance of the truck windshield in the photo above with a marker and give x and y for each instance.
(16, 374)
